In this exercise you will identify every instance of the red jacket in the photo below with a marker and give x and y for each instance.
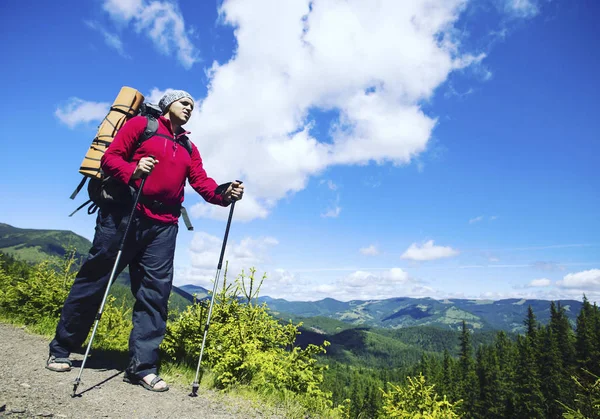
(167, 180)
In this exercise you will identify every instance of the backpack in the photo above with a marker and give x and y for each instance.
(104, 190)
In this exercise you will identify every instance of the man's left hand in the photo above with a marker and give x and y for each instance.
(234, 192)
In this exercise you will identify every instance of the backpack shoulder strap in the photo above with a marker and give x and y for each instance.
(187, 144)
(151, 128)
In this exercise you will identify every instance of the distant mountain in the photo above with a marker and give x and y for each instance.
(395, 313)
(34, 246)
(190, 289)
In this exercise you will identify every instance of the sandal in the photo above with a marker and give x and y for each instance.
(61, 361)
(151, 387)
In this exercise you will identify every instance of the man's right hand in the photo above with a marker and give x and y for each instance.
(144, 167)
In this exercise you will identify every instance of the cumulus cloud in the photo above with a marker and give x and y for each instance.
(584, 280)
(428, 251)
(78, 111)
(364, 285)
(242, 255)
(372, 66)
(370, 251)
(293, 59)
(162, 22)
(540, 282)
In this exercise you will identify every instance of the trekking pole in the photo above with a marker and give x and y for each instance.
(110, 280)
(196, 383)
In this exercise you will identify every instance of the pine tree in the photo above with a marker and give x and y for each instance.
(490, 404)
(507, 356)
(550, 367)
(529, 400)
(447, 385)
(532, 325)
(564, 338)
(468, 385)
(585, 345)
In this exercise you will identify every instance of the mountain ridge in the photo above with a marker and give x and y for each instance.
(33, 245)
(398, 312)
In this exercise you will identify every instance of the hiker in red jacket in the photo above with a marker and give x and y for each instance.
(150, 247)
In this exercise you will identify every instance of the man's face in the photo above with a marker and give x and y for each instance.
(182, 109)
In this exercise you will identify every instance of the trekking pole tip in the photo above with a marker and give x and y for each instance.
(195, 387)
(75, 385)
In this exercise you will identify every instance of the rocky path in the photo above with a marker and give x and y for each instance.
(27, 389)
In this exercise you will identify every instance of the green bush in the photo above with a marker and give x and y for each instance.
(114, 327)
(416, 401)
(587, 400)
(247, 346)
(38, 293)
(34, 296)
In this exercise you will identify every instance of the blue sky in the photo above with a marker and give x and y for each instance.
(440, 148)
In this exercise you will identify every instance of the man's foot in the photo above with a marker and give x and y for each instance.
(58, 364)
(151, 382)
(154, 383)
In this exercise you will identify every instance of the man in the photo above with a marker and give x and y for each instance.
(150, 246)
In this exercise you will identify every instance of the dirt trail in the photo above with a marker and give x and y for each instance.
(27, 389)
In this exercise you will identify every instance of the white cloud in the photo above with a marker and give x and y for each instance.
(123, 9)
(521, 8)
(372, 64)
(77, 111)
(541, 282)
(162, 22)
(111, 39)
(205, 251)
(293, 59)
(245, 210)
(584, 280)
(481, 218)
(371, 250)
(428, 251)
(332, 212)
(365, 285)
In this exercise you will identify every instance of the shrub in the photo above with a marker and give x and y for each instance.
(37, 294)
(416, 401)
(587, 400)
(114, 327)
(247, 346)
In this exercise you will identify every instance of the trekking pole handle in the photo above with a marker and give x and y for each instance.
(145, 175)
(233, 199)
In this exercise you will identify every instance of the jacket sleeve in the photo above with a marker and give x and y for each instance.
(200, 181)
(116, 160)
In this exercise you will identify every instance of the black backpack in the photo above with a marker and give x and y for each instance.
(107, 191)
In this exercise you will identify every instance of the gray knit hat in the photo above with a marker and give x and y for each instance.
(172, 96)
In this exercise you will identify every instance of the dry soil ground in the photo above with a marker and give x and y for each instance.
(27, 389)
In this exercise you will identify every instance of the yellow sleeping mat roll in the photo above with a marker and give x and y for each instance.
(125, 106)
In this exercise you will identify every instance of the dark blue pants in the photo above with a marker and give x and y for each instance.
(149, 251)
